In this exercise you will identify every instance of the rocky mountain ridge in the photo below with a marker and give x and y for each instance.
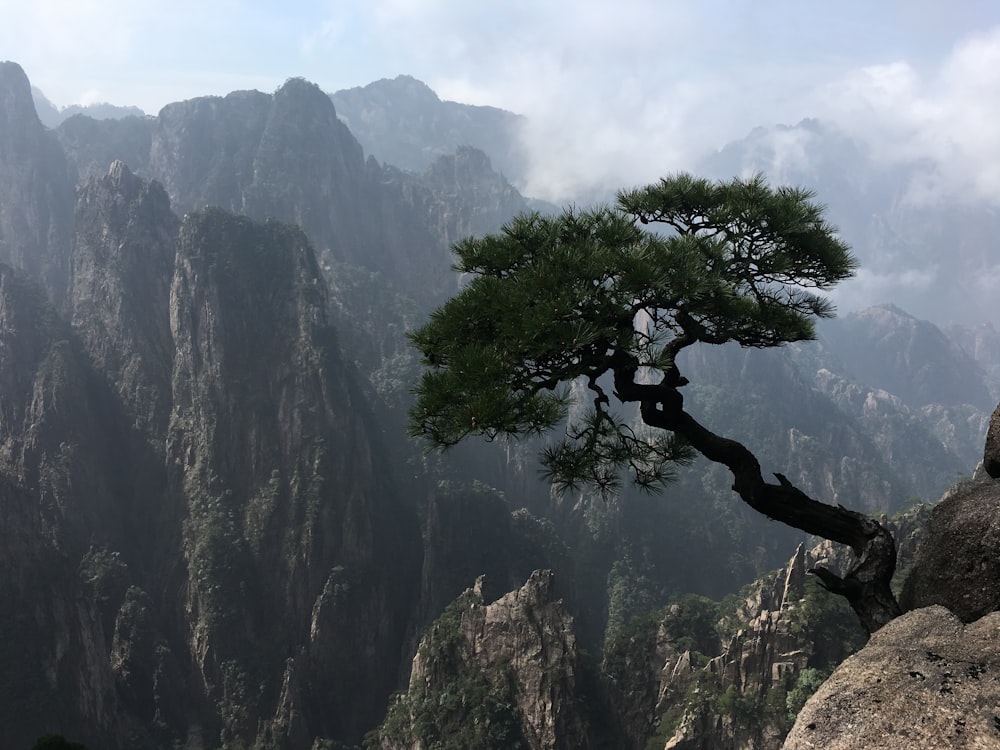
(401, 121)
(52, 116)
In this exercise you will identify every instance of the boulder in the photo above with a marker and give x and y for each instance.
(957, 564)
(991, 453)
(925, 681)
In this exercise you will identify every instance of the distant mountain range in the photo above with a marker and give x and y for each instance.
(935, 255)
(52, 116)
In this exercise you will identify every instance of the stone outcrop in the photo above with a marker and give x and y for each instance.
(36, 189)
(766, 650)
(925, 681)
(766, 654)
(991, 451)
(957, 564)
(493, 675)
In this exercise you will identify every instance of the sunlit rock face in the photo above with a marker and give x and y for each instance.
(925, 681)
(504, 674)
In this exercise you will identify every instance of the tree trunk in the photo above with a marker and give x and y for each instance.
(866, 586)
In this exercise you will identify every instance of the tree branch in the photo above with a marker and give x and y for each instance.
(866, 586)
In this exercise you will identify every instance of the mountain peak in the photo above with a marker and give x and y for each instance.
(120, 173)
(402, 87)
(16, 102)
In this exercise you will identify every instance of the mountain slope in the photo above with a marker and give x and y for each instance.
(401, 121)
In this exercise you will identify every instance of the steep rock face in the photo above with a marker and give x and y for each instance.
(288, 512)
(308, 169)
(56, 677)
(203, 149)
(36, 189)
(121, 264)
(991, 451)
(957, 564)
(203, 544)
(495, 675)
(285, 157)
(923, 682)
(470, 533)
(58, 427)
(764, 658)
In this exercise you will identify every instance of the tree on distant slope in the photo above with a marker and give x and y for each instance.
(592, 301)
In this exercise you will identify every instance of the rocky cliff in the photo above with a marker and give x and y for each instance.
(499, 675)
(928, 678)
(289, 512)
(196, 505)
(61, 431)
(734, 692)
(700, 676)
(36, 189)
(734, 674)
(121, 263)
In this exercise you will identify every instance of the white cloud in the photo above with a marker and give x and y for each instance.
(948, 117)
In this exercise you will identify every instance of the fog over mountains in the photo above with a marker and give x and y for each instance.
(213, 530)
(925, 245)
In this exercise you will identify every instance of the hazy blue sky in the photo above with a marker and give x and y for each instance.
(616, 92)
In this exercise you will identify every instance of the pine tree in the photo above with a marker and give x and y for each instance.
(606, 299)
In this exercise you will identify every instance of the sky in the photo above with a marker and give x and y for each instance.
(616, 93)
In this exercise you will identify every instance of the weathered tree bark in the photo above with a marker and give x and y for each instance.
(866, 586)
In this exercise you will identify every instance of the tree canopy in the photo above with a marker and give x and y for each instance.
(568, 319)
